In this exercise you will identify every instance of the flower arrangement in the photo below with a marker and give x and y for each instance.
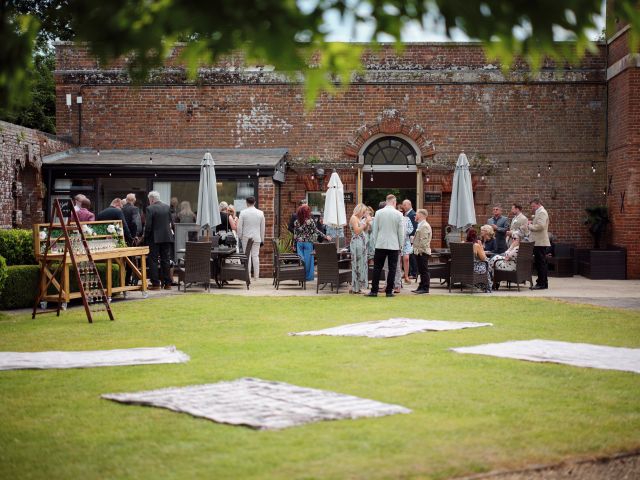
(88, 231)
(118, 231)
(43, 234)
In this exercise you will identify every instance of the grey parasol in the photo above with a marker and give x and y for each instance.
(208, 211)
(462, 212)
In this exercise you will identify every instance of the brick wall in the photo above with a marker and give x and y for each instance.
(21, 188)
(445, 97)
(623, 158)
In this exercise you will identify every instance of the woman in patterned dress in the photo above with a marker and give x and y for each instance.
(407, 249)
(479, 260)
(305, 233)
(359, 225)
(507, 261)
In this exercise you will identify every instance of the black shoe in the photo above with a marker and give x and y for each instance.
(539, 287)
(420, 292)
(416, 290)
(390, 294)
(371, 294)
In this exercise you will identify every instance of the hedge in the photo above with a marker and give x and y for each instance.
(16, 246)
(3, 272)
(21, 287)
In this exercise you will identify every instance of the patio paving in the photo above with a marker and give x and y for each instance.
(577, 289)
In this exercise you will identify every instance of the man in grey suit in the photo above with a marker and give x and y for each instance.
(158, 235)
(539, 234)
(388, 237)
(251, 226)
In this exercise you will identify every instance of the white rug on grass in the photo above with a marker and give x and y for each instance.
(393, 327)
(259, 404)
(87, 359)
(577, 354)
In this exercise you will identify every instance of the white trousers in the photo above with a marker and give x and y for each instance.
(254, 256)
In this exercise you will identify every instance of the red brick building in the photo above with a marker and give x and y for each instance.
(566, 134)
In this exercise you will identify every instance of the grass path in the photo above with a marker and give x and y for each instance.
(471, 413)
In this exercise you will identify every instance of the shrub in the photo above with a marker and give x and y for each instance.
(3, 272)
(16, 246)
(21, 286)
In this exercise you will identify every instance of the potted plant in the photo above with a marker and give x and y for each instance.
(597, 220)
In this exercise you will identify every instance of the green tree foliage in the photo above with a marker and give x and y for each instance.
(40, 112)
(289, 34)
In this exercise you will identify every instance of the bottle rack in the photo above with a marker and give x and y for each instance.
(71, 235)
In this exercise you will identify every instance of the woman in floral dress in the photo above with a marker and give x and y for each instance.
(359, 225)
(479, 260)
(507, 261)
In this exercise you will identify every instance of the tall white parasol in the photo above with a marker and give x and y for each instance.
(335, 214)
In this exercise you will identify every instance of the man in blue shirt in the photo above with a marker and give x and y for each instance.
(500, 226)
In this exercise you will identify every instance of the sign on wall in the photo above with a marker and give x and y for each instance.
(348, 197)
(432, 197)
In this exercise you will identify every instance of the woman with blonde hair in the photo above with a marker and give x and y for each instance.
(487, 235)
(185, 215)
(359, 224)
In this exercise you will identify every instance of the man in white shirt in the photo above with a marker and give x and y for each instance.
(388, 238)
(251, 226)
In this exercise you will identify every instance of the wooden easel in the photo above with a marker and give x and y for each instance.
(89, 270)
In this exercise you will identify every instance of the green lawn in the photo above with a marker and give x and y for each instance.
(470, 413)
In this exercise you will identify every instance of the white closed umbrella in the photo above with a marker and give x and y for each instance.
(335, 214)
(208, 211)
(462, 212)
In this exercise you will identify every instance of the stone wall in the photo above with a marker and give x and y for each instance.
(22, 190)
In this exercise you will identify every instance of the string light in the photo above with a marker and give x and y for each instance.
(98, 152)
(508, 166)
(539, 171)
(549, 166)
(150, 157)
(258, 171)
(593, 167)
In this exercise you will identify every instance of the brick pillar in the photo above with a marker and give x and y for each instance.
(623, 157)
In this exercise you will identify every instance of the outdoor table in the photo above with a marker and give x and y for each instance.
(122, 256)
(218, 255)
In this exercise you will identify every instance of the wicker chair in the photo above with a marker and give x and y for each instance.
(236, 267)
(196, 269)
(522, 273)
(287, 266)
(563, 262)
(328, 270)
(461, 267)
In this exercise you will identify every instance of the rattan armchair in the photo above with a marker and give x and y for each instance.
(328, 269)
(196, 267)
(287, 266)
(236, 267)
(522, 273)
(461, 267)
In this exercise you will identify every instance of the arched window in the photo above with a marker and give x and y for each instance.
(390, 151)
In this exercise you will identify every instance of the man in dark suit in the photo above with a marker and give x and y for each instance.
(158, 235)
(114, 212)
